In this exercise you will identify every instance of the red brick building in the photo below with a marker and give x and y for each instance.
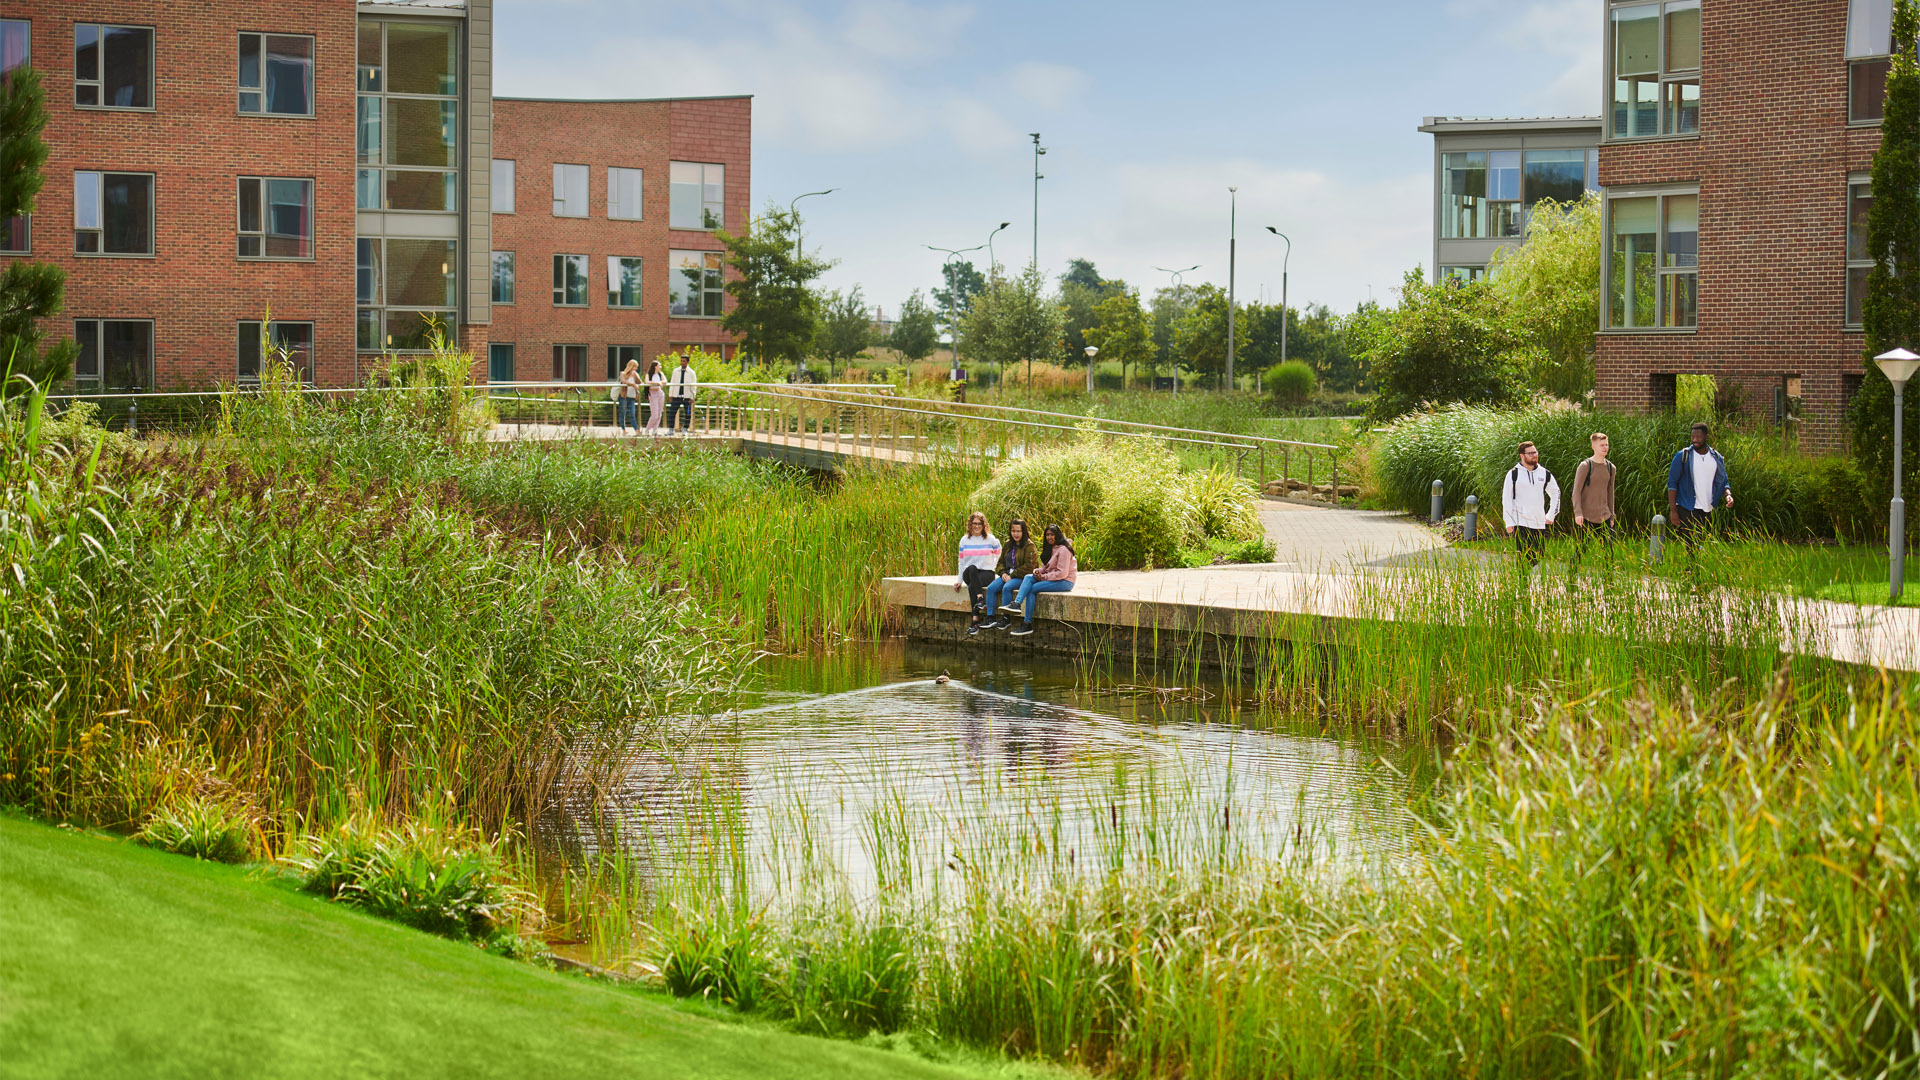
(603, 231)
(328, 163)
(1739, 134)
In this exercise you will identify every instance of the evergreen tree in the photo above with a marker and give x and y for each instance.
(1892, 303)
(774, 311)
(29, 292)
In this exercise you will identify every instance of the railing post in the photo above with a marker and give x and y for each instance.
(133, 418)
(1473, 517)
(1657, 539)
(1263, 468)
(1439, 494)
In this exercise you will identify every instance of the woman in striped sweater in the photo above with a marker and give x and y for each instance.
(979, 552)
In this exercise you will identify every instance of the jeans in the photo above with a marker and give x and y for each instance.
(1000, 591)
(1033, 587)
(1688, 525)
(684, 408)
(1530, 543)
(629, 410)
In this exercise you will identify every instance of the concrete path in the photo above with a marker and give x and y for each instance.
(1330, 540)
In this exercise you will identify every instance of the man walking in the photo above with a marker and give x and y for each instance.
(1593, 495)
(1530, 500)
(1696, 483)
(680, 390)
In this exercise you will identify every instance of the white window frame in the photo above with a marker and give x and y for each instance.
(501, 192)
(306, 370)
(261, 37)
(564, 179)
(261, 234)
(563, 280)
(99, 82)
(100, 214)
(617, 208)
(614, 269)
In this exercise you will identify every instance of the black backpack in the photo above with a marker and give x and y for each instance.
(1513, 479)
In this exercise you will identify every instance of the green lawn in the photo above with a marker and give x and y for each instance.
(119, 961)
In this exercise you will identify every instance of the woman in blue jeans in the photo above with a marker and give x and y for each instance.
(1058, 570)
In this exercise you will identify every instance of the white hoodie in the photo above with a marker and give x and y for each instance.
(1530, 498)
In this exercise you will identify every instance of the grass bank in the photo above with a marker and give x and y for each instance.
(125, 962)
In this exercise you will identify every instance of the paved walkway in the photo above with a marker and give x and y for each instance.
(1323, 538)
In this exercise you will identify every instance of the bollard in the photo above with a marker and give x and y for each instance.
(1473, 516)
(1656, 539)
(1439, 489)
(133, 419)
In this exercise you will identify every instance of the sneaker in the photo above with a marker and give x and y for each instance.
(974, 629)
(1012, 609)
(991, 624)
(1023, 629)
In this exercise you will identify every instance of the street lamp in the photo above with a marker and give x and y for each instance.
(1233, 240)
(1179, 283)
(794, 212)
(1898, 365)
(993, 264)
(1038, 152)
(1092, 351)
(1283, 291)
(953, 293)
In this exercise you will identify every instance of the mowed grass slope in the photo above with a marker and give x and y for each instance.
(119, 961)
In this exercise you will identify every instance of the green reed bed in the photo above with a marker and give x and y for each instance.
(1658, 890)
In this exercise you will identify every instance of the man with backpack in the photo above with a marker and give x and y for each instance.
(1593, 494)
(1696, 483)
(1530, 500)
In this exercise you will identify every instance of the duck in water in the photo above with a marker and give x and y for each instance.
(941, 679)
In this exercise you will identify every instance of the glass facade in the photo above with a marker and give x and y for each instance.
(1486, 193)
(1653, 258)
(1654, 69)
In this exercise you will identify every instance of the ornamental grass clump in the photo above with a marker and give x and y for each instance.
(449, 882)
(202, 828)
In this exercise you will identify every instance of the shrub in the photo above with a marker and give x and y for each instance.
(1291, 383)
(200, 827)
(1141, 528)
(1220, 506)
(1067, 487)
(445, 883)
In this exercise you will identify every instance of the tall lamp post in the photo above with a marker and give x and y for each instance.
(793, 211)
(1233, 240)
(1038, 152)
(953, 293)
(1283, 291)
(1898, 365)
(1179, 282)
(993, 263)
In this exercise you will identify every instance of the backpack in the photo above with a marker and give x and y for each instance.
(1513, 479)
(1588, 478)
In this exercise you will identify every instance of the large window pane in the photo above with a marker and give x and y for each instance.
(1867, 90)
(126, 355)
(420, 59)
(694, 284)
(290, 343)
(1869, 27)
(1560, 175)
(1636, 70)
(570, 280)
(127, 210)
(623, 281)
(1463, 196)
(412, 331)
(420, 273)
(623, 194)
(368, 141)
(1683, 107)
(503, 277)
(289, 74)
(370, 58)
(569, 190)
(1683, 230)
(499, 362)
(1503, 193)
(421, 133)
(126, 67)
(1631, 290)
(289, 219)
(501, 186)
(16, 44)
(410, 190)
(367, 271)
(1683, 36)
(696, 195)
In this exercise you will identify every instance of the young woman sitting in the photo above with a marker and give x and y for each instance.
(979, 552)
(1018, 558)
(1057, 572)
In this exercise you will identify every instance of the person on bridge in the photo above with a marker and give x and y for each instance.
(680, 390)
(628, 403)
(1018, 558)
(979, 551)
(656, 394)
(1530, 501)
(1058, 570)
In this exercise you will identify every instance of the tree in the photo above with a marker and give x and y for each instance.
(1170, 305)
(844, 327)
(1552, 282)
(1013, 320)
(1081, 291)
(916, 331)
(29, 292)
(1446, 342)
(1121, 331)
(1320, 338)
(774, 311)
(1200, 337)
(962, 283)
(1892, 305)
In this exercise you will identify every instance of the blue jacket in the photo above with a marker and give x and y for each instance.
(1680, 478)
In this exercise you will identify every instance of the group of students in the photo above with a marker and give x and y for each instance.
(671, 397)
(1002, 580)
(1697, 483)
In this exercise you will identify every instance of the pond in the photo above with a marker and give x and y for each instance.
(845, 773)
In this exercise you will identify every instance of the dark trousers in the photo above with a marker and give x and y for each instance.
(976, 579)
(683, 407)
(1530, 543)
(1690, 526)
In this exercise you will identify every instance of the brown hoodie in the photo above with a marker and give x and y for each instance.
(1592, 494)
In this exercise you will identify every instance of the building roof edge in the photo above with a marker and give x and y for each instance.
(625, 101)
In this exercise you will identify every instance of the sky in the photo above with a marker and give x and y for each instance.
(920, 114)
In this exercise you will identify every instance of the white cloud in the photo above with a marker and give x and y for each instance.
(1566, 30)
(977, 127)
(898, 31)
(1049, 86)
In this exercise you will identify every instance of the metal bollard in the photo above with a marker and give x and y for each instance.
(1439, 489)
(133, 419)
(1657, 539)
(1473, 516)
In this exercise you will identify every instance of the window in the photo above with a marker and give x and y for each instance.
(1503, 193)
(1487, 193)
(503, 277)
(16, 45)
(696, 195)
(366, 283)
(1653, 261)
(499, 362)
(1462, 274)
(623, 194)
(112, 213)
(694, 284)
(288, 343)
(569, 191)
(276, 74)
(1560, 175)
(1655, 57)
(16, 235)
(502, 186)
(1869, 43)
(112, 66)
(617, 357)
(623, 281)
(419, 273)
(115, 354)
(1859, 259)
(276, 218)
(570, 281)
(569, 363)
(1463, 196)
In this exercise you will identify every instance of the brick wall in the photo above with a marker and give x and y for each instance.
(194, 287)
(644, 135)
(1772, 161)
